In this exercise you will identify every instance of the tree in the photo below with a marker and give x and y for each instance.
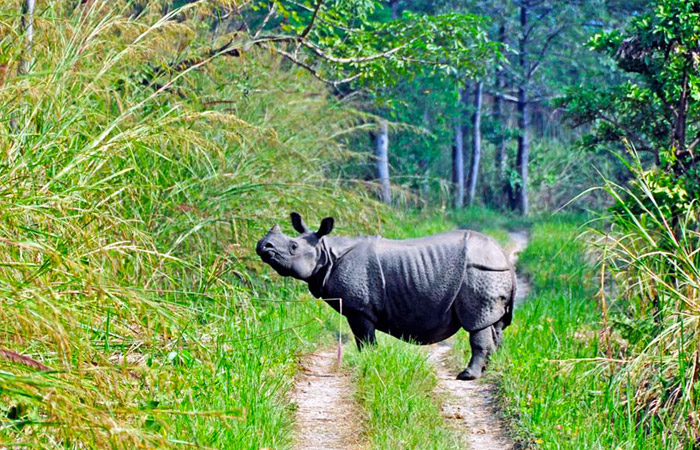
(523, 158)
(382, 154)
(458, 165)
(657, 107)
(458, 148)
(362, 48)
(371, 54)
(498, 113)
(476, 141)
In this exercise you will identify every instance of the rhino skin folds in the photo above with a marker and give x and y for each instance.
(421, 290)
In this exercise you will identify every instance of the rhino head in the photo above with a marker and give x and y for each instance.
(299, 257)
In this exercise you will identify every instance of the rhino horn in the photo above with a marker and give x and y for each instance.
(276, 229)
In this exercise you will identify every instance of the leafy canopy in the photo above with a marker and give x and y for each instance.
(655, 107)
(356, 41)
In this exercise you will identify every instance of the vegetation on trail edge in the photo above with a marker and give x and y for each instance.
(551, 383)
(129, 213)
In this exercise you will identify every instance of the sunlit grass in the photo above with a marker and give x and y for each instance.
(559, 370)
(395, 385)
(129, 213)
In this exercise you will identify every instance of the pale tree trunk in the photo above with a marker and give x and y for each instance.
(458, 178)
(476, 142)
(499, 116)
(382, 154)
(458, 165)
(523, 114)
(28, 28)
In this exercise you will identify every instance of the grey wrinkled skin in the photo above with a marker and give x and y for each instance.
(421, 290)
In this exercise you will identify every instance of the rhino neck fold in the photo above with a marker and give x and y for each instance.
(322, 271)
(331, 250)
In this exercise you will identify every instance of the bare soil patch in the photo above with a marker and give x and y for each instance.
(469, 406)
(326, 413)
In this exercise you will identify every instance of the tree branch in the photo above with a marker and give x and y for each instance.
(314, 72)
(313, 19)
(631, 134)
(356, 60)
(269, 15)
(543, 50)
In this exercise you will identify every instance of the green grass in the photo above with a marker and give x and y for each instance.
(551, 391)
(395, 383)
(128, 218)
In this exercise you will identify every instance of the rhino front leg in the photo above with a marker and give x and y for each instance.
(482, 343)
(363, 329)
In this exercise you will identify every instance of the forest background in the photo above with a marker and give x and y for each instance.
(148, 144)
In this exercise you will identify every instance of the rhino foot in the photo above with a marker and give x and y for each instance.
(468, 374)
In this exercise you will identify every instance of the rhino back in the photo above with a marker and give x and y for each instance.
(484, 252)
(428, 269)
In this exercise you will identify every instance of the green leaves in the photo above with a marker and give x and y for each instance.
(656, 106)
(354, 41)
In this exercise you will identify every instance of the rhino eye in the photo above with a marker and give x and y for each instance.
(293, 246)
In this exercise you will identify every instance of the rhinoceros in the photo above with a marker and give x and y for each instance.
(421, 290)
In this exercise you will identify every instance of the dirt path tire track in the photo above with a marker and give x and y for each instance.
(470, 405)
(326, 413)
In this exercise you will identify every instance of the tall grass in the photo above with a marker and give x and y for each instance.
(652, 254)
(591, 366)
(129, 210)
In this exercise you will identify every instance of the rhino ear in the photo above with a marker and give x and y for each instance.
(326, 227)
(298, 223)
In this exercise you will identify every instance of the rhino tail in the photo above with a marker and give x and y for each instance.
(508, 316)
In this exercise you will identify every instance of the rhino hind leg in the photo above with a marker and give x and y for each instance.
(483, 343)
(498, 332)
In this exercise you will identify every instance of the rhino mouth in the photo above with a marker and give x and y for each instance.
(273, 258)
(269, 256)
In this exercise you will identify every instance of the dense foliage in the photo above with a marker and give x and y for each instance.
(132, 314)
(655, 109)
(146, 145)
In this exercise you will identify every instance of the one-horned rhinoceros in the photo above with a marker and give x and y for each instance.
(423, 290)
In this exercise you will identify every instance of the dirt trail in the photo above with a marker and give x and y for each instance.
(325, 408)
(518, 242)
(470, 405)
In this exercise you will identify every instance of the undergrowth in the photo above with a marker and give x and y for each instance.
(564, 377)
(133, 309)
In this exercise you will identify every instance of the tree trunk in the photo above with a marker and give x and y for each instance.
(499, 116)
(458, 165)
(28, 28)
(382, 154)
(476, 142)
(523, 115)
